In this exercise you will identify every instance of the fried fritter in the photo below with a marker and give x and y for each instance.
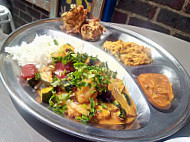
(92, 30)
(73, 19)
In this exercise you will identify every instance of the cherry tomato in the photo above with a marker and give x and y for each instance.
(28, 71)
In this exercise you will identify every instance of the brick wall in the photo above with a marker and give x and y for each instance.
(167, 16)
(25, 12)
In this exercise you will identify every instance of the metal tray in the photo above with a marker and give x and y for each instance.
(151, 124)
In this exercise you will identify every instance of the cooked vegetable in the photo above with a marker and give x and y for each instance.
(111, 107)
(63, 97)
(79, 108)
(83, 88)
(106, 96)
(130, 101)
(46, 74)
(67, 47)
(92, 61)
(62, 52)
(84, 93)
(122, 114)
(46, 94)
(102, 113)
(56, 105)
(32, 82)
(127, 98)
(123, 102)
(68, 87)
(117, 83)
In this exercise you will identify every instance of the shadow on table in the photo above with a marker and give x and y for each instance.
(45, 130)
(184, 132)
(58, 136)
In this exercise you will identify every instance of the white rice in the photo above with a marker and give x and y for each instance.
(38, 51)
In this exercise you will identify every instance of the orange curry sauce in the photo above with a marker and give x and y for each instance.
(157, 89)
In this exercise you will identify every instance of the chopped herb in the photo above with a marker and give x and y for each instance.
(89, 71)
(92, 61)
(37, 76)
(90, 85)
(92, 107)
(122, 114)
(94, 91)
(62, 51)
(116, 103)
(60, 109)
(84, 105)
(84, 119)
(56, 59)
(51, 66)
(95, 120)
(64, 71)
(103, 105)
(91, 76)
(55, 42)
(65, 96)
(74, 55)
(100, 111)
(56, 82)
(54, 104)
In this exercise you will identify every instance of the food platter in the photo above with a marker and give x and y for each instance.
(154, 124)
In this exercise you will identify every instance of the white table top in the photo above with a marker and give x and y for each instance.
(18, 125)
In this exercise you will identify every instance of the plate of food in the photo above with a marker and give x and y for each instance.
(94, 80)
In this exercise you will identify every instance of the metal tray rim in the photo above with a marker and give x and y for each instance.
(79, 134)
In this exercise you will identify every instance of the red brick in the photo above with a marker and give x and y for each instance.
(20, 5)
(146, 24)
(33, 13)
(15, 11)
(187, 8)
(27, 3)
(186, 38)
(41, 10)
(119, 17)
(44, 17)
(138, 7)
(175, 4)
(25, 16)
(18, 21)
(174, 20)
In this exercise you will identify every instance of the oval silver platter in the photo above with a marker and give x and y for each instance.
(151, 124)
